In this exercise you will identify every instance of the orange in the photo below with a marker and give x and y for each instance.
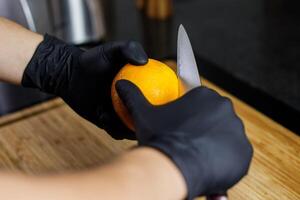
(156, 80)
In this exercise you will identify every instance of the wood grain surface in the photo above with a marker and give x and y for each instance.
(51, 138)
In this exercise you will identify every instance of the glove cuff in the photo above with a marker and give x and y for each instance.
(51, 60)
(185, 159)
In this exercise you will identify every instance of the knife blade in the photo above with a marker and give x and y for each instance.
(187, 69)
(187, 72)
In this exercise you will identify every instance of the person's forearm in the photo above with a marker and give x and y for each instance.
(17, 47)
(142, 173)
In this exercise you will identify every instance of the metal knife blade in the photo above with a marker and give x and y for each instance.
(187, 69)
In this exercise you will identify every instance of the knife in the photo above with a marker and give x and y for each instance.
(187, 72)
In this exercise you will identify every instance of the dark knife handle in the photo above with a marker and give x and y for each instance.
(217, 197)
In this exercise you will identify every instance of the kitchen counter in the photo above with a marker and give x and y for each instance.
(50, 137)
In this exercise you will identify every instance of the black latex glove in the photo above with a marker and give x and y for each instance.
(83, 78)
(199, 132)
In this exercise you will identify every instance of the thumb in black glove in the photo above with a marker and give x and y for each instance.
(199, 132)
(83, 78)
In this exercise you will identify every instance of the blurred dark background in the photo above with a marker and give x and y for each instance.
(251, 47)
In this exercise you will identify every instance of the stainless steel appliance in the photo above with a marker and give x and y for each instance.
(74, 21)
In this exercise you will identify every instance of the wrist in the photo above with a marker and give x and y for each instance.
(184, 157)
(50, 65)
(158, 170)
(25, 57)
(18, 45)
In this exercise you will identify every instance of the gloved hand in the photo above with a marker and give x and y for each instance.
(83, 78)
(199, 132)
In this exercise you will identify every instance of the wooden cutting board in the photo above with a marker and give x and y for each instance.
(51, 138)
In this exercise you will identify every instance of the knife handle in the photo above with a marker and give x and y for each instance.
(217, 197)
(140, 4)
(156, 9)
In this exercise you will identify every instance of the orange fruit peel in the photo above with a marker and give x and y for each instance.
(157, 81)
